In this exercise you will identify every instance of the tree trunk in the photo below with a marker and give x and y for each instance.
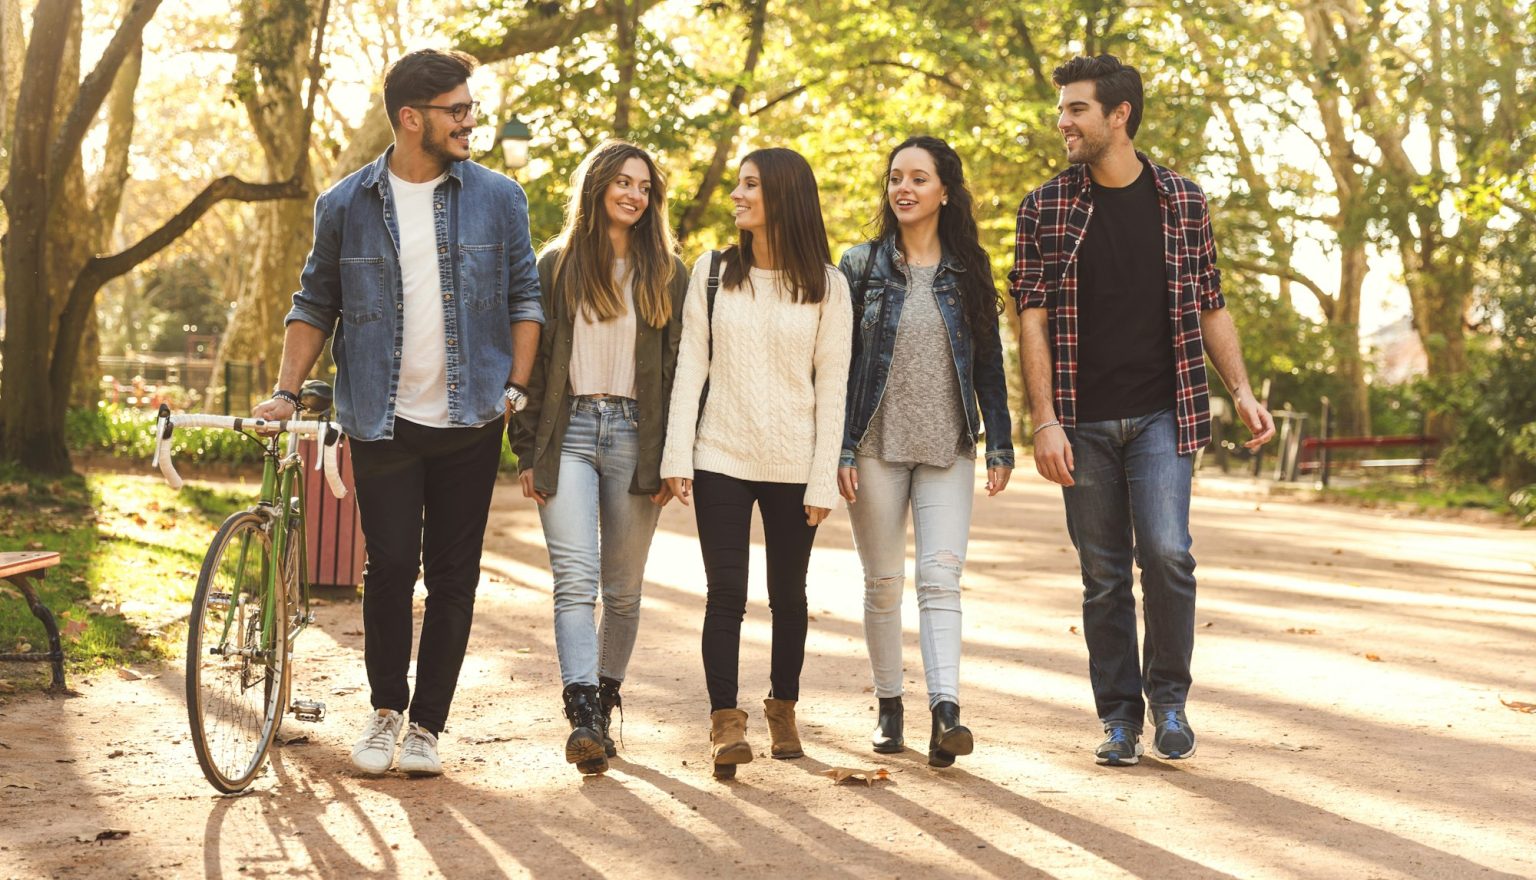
(725, 142)
(277, 45)
(623, 93)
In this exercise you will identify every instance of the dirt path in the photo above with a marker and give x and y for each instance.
(1316, 760)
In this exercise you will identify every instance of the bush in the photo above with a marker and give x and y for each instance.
(128, 433)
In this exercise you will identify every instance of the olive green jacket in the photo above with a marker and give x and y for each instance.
(538, 432)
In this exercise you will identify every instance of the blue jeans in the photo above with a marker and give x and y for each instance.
(1131, 502)
(940, 500)
(598, 537)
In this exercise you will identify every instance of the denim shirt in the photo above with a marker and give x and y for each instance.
(351, 287)
(876, 315)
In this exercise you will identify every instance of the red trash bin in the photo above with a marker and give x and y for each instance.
(333, 525)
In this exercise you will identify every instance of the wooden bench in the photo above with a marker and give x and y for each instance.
(19, 569)
(1321, 447)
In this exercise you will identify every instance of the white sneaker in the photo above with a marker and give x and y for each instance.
(375, 751)
(418, 754)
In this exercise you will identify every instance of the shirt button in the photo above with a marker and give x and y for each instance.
(399, 307)
(951, 300)
(397, 354)
(447, 297)
(452, 342)
(443, 249)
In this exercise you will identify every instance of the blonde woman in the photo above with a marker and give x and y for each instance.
(589, 443)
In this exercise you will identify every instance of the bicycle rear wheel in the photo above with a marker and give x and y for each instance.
(237, 654)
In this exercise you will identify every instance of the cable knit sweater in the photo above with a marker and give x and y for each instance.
(776, 386)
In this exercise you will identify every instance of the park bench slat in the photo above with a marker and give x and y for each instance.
(26, 561)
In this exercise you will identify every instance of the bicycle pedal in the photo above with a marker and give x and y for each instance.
(308, 710)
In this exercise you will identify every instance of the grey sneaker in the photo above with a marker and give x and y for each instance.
(1121, 749)
(1174, 738)
(375, 750)
(418, 753)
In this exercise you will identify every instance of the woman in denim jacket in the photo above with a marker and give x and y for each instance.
(927, 354)
(589, 443)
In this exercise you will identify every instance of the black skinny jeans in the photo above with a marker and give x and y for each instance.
(424, 497)
(723, 508)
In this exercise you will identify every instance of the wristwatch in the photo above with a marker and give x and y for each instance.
(517, 397)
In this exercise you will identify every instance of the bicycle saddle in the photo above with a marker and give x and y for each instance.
(315, 396)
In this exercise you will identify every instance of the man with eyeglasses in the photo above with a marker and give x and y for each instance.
(423, 269)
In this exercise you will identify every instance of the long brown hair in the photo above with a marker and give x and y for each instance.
(795, 232)
(583, 273)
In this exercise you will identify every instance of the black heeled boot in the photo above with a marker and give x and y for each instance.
(949, 737)
(887, 739)
(584, 747)
(608, 696)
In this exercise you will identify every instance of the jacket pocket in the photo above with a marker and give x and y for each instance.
(483, 276)
(363, 284)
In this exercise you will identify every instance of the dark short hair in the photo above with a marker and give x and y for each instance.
(421, 76)
(1114, 83)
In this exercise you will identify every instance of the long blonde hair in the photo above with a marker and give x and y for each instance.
(583, 274)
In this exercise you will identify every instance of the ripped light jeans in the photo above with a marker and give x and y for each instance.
(940, 500)
(598, 537)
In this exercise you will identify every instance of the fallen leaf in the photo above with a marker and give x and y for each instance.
(16, 780)
(73, 629)
(116, 753)
(296, 740)
(345, 689)
(1527, 708)
(1302, 631)
(14, 594)
(7, 687)
(1208, 624)
(486, 740)
(840, 775)
(34, 545)
(1072, 630)
(523, 650)
(352, 632)
(1291, 747)
(1373, 658)
(23, 647)
(127, 674)
(109, 834)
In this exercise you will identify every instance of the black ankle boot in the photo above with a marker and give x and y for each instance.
(584, 747)
(608, 696)
(887, 738)
(949, 737)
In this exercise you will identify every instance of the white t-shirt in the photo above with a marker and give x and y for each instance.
(422, 396)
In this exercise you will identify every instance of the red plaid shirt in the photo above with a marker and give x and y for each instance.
(1052, 222)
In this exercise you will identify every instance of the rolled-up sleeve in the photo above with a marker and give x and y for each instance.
(1207, 275)
(318, 300)
(1026, 280)
(523, 298)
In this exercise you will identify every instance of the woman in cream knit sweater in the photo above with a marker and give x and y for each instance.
(770, 360)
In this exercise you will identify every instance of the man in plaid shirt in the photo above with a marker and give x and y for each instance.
(1120, 300)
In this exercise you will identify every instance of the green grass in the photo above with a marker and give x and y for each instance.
(130, 550)
(1434, 496)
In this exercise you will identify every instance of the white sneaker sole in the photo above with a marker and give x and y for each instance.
(371, 767)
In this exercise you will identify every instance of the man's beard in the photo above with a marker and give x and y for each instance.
(1088, 152)
(437, 147)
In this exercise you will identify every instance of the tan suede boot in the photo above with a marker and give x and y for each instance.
(728, 741)
(781, 728)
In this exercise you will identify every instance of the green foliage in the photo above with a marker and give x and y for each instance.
(127, 433)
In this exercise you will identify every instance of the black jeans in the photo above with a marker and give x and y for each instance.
(723, 507)
(424, 497)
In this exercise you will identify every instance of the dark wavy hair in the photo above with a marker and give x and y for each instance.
(957, 233)
(1114, 83)
(796, 235)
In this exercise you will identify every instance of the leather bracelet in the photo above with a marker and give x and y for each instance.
(280, 394)
(1053, 423)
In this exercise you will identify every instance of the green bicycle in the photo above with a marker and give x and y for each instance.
(252, 596)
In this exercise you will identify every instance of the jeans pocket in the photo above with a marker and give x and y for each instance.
(363, 282)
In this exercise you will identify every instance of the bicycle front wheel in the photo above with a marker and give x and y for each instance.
(237, 654)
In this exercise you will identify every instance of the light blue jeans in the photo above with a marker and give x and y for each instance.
(940, 500)
(598, 537)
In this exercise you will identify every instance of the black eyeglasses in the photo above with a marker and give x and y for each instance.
(456, 112)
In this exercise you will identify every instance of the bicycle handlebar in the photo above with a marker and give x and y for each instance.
(325, 431)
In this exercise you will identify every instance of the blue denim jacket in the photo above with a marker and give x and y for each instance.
(877, 313)
(351, 286)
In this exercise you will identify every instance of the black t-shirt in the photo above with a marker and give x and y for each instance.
(1125, 364)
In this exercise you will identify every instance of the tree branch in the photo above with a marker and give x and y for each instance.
(98, 270)
(1324, 299)
(96, 87)
(941, 78)
(539, 31)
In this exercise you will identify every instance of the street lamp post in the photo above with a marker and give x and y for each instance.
(514, 137)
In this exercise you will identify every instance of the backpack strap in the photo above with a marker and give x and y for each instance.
(710, 291)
